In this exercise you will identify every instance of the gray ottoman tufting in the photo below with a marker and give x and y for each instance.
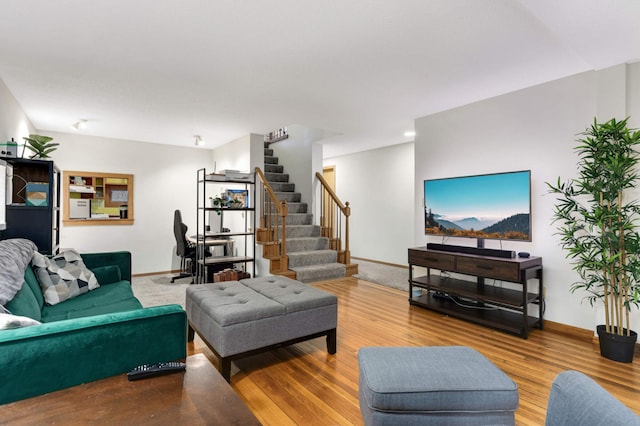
(443, 385)
(240, 318)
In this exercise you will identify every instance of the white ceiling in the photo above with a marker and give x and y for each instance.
(164, 70)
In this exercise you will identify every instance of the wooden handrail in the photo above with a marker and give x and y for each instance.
(331, 224)
(274, 240)
(269, 190)
(331, 192)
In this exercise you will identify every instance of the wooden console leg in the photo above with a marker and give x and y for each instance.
(332, 341)
(225, 369)
(191, 334)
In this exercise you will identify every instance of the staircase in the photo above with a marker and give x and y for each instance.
(309, 254)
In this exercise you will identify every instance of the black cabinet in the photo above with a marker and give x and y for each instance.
(33, 211)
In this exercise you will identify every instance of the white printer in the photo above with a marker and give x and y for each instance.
(79, 208)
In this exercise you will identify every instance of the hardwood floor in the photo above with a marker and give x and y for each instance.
(302, 384)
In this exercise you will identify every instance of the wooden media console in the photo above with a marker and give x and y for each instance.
(502, 304)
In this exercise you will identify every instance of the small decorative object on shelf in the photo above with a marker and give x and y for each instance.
(37, 194)
(229, 274)
(276, 135)
(41, 145)
(9, 149)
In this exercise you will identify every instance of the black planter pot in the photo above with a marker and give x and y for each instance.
(615, 347)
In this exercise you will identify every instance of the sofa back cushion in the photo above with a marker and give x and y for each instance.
(27, 302)
(31, 281)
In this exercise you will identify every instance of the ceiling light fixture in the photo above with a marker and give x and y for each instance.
(79, 125)
(409, 133)
(199, 141)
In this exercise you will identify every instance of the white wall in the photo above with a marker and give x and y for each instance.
(379, 185)
(534, 129)
(301, 156)
(164, 180)
(13, 121)
(531, 129)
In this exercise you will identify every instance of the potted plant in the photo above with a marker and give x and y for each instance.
(599, 230)
(222, 202)
(41, 146)
(218, 203)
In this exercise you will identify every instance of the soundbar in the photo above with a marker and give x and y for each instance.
(480, 251)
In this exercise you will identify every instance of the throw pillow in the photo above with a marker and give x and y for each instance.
(8, 321)
(63, 276)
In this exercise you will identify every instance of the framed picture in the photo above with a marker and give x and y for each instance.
(240, 195)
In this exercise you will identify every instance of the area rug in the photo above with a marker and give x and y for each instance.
(379, 273)
(157, 290)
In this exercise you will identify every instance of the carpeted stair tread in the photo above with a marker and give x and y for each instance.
(273, 168)
(292, 207)
(282, 187)
(276, 177)
(295, 245)
(327, 271)
(299, 231)
(313, 257)
(298, 219)
(289, 197)
(308, 251)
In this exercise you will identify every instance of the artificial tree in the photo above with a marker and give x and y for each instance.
(597, 216)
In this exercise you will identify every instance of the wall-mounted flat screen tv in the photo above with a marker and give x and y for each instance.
(492, 206)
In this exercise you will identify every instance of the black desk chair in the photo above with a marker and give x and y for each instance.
(185, 249)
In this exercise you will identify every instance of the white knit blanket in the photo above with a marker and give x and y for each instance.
(15, 255)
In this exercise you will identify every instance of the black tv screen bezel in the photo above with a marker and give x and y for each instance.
(480, 239)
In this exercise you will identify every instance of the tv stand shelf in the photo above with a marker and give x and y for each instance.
(505, 309)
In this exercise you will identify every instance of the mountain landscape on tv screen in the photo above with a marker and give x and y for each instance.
(514, 227)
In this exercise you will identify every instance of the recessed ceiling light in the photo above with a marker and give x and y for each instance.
(79, 125)
(198, 140)
(409, 133)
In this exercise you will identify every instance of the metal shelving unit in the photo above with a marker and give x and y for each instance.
(237, 241)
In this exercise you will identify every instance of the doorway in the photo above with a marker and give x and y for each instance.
(328, 213)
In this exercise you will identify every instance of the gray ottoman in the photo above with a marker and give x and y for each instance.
(241, 318)
(443, 385)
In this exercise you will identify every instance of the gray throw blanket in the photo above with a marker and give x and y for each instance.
(15, 255)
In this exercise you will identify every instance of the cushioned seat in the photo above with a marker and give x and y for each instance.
(115, 297)
(433, 385)
(239, 318)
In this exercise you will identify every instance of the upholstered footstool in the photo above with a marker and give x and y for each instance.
(241, 318)
(443, 385)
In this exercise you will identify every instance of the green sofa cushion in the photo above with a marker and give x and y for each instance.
(107, 274)
(25, 302)
(115, 297)
(31, 279)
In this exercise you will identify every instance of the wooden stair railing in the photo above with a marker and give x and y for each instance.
(333, 214)
(272, 231)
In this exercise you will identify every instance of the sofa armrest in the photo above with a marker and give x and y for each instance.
(121, 259)
(575, 399)
(52, 356)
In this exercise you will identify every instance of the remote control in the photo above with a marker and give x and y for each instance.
(152, 370)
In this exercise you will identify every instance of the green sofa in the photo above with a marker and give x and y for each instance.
(98, 334)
